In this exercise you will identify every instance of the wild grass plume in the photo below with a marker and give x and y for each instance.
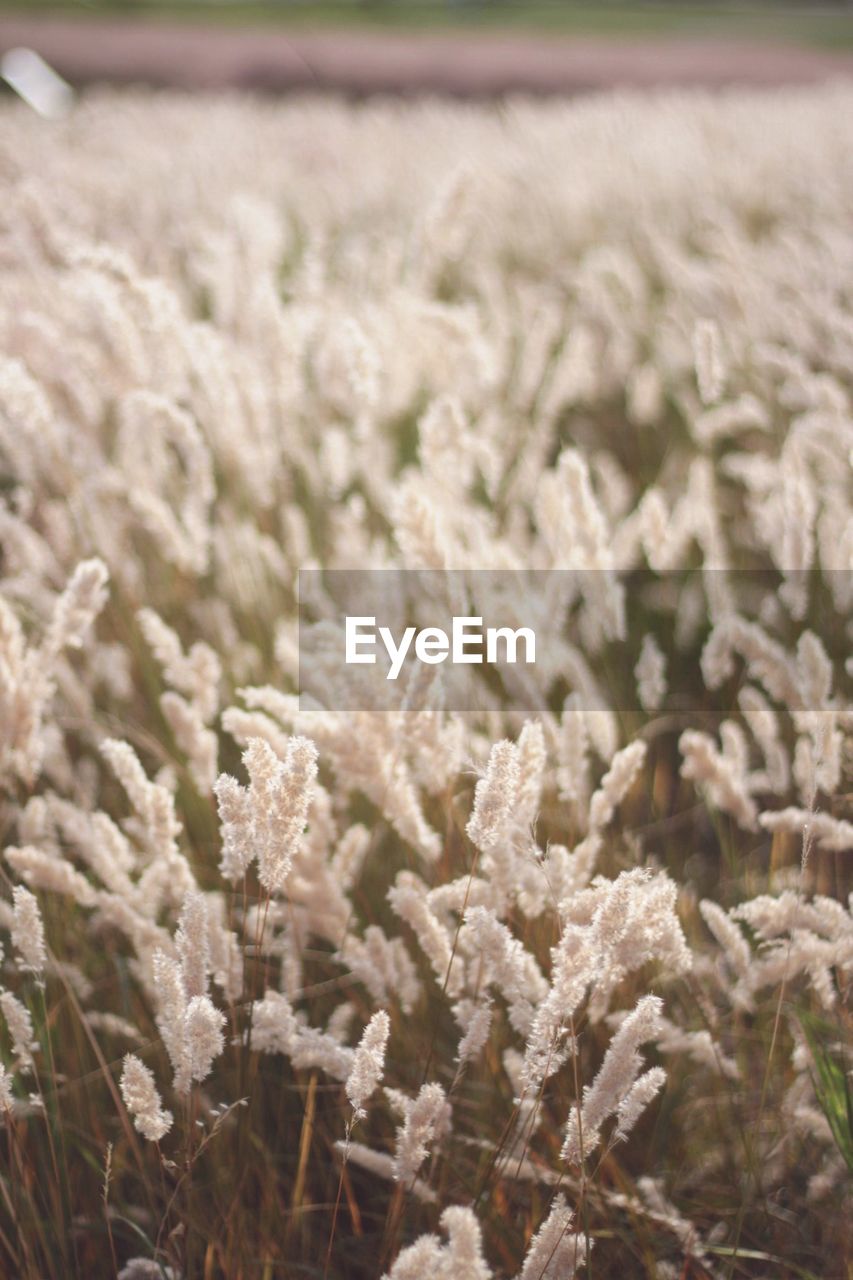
(289, 990)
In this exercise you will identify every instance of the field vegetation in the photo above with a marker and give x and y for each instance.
(289, 990)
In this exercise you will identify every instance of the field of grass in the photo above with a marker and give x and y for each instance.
(824, 25)
(370, 981)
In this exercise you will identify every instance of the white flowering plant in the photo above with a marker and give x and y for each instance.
(288, 989)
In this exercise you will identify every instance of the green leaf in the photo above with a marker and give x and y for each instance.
(831, 1083)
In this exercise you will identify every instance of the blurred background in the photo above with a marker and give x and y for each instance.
(461, 47)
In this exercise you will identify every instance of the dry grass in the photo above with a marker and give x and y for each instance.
(240, 339)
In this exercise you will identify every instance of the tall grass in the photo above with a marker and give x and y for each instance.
(291, 990)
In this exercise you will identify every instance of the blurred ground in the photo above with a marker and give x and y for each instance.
(186, 55)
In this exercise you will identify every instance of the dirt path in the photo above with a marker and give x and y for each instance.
(198, 57)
